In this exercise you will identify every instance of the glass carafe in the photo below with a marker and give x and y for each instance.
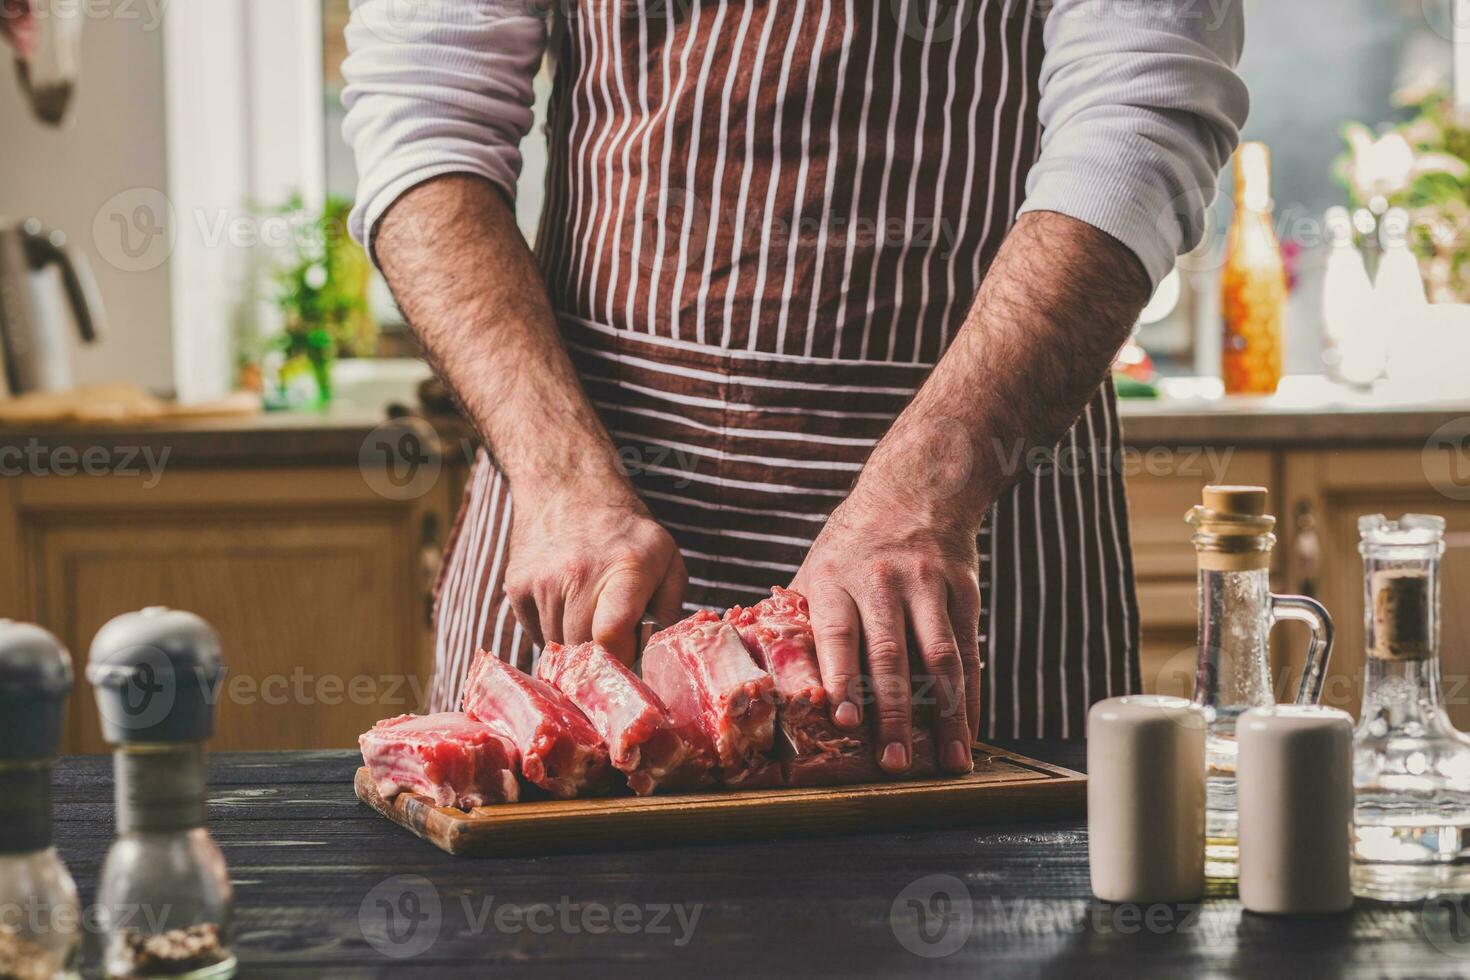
(1411, 767)
(1233, 539)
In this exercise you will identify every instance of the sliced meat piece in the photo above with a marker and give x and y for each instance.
(448, 757)
(633, 722)
(925, 764)
(778, 633)
(560, 750)
(815, 752)
(721, 702)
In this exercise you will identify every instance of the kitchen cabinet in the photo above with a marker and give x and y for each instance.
(1317, 494)
(316, 583)
(1328, 492)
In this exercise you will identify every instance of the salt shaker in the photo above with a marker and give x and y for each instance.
(1294, 779)
(40, 932)
(164, 896)
(1146, 799)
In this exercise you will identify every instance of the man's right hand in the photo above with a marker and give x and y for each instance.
(586, 560)
(589, 569)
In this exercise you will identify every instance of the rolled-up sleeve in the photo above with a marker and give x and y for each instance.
(436, 87)
(1141, 108)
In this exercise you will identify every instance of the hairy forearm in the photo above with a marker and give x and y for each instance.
(472, 293)
(1058, 302)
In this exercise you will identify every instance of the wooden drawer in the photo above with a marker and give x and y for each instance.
(1162, 488)
(311, 578)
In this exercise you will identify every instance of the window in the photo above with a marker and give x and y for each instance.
(341, 172)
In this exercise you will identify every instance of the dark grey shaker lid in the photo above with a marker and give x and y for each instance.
(156, 674)
(35, 678)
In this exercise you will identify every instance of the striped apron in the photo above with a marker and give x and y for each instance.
(764, 222)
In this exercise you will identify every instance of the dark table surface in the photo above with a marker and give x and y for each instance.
(326, 887)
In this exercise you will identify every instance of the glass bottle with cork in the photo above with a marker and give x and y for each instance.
(1233, 538)
(1411, 766)
(1253, 282)
(40, 930)
(164, 896)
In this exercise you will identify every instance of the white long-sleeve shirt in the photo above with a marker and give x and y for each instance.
(1140, 105)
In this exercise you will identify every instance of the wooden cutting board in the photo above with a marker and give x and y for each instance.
(1004, 786)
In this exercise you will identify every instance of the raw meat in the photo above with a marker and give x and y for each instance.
(778, 633)
(631, 719)
(925, 764)
(721, 702)
(448, 757)
(560, 750)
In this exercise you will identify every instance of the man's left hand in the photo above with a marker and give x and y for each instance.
(889, 570)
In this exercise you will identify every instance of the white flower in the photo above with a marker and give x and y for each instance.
(1380, 167)
(1428, 163)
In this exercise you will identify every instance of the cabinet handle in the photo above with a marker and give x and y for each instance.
(1307, 547)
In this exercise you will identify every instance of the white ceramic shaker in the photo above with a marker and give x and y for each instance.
(1294, 780)
(1146, 799)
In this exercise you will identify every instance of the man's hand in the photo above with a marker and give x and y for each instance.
(18, 26)
(589, 570)
(895, 581)
(894, 573)
(586, 560)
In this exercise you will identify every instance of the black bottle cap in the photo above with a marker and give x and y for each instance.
(156, 674)
(35, 678)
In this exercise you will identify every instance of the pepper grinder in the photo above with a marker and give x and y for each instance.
(164, 895)
(40, 936)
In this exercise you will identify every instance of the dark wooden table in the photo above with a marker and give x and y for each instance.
(325, 887)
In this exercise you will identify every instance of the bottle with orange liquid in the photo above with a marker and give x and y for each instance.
(1253, 285)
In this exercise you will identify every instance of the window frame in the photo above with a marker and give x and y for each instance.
(245, 127)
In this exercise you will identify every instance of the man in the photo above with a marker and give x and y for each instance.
(783, 325)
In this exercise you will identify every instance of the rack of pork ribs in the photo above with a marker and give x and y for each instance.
(734, 701)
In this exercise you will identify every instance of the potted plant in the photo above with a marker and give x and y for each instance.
(320, 285)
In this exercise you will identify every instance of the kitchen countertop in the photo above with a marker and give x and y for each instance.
(336, 436)
(1306, 412)
(311, 865)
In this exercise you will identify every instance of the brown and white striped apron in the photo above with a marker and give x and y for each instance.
(764, 222)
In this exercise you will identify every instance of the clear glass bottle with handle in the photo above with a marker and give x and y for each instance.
(1233, 538)
(1411, 766)
(40, 918)
(164, 895)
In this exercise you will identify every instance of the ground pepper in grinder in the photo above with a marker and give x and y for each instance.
(164, 895)
(40, 925)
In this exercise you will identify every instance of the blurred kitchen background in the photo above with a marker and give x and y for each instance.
(270, 453)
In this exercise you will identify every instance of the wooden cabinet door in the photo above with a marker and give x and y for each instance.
(1162, 486)
(1332, 490)
(311, 578)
